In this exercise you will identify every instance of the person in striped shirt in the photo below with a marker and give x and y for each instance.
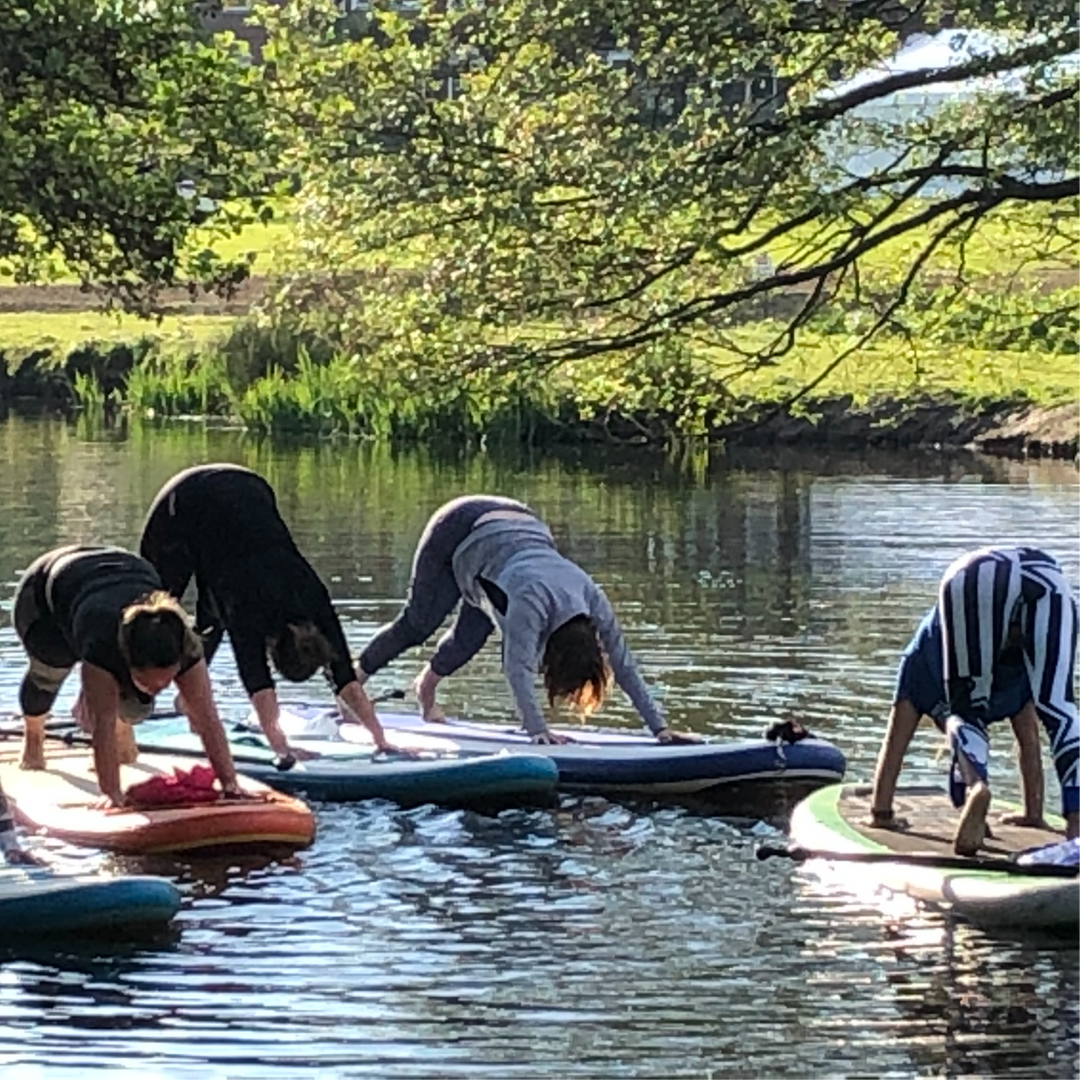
(1001, 641)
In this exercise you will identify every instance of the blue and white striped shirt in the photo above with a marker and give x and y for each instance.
(986, 594)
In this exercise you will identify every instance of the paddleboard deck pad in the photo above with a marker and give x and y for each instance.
(60, 801)
(834, 819)
(347, 772)
(36, 900)
(613, 762)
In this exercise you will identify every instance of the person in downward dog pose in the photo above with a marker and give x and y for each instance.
(104, 608)
(1001, 641)
(499, 559)
(220, 524)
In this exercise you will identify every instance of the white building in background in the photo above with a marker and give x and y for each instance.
(861, 141)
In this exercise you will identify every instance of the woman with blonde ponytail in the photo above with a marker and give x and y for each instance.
(104, 609)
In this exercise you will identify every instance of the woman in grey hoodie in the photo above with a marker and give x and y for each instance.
(498, 558)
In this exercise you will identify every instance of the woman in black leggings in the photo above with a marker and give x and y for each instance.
(104, 609)
(220, 524)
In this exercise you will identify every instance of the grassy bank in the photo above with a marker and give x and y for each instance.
(997, 352)
(268, 380)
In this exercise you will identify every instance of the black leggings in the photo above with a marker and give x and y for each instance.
(50, 656)
(433, 592)
(167, 538)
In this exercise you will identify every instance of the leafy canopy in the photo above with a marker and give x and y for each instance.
(105, 107)
(500, 184)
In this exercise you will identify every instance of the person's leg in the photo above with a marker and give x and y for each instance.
(49, 662)
(38, 691)
(433, 591)
(126, 748)
(163, 545)
(209, 622)
(456, 647)
(969, 785)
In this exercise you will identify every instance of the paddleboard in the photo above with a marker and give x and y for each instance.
(614, 762)
(346, 772)
(832, 819)
(36, 900)
(60, 800)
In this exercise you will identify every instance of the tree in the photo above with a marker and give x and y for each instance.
(109, 109)
(542, 183)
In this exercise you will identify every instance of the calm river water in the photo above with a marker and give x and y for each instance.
(595, 940)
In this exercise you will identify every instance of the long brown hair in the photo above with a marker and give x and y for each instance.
(155, 632)
(300, 651)
(574, 667)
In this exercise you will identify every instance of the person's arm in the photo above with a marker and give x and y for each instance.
(624, 668)
(903, 720)
(320, 610)
(358, 706)
(249, 651)
(202, 714)
(265, 704)
(521, 647)
(102, 699)
(1032, 781)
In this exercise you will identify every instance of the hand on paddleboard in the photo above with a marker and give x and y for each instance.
(397, 751)
(236, 794)
(550, 738)
(1026, 821)
(677, 738)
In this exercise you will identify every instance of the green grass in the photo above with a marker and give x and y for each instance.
(888, 369)
(63, 331)
(1001, 247)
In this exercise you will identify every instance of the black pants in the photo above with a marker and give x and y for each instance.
(433, 593)
(198, 513)
(51, 657)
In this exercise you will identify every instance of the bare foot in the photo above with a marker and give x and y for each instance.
(971, 830)
(896, 824)
(18, 856)
(424, 688)
(33, 754)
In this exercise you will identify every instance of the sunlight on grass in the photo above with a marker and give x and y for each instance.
(63, 331)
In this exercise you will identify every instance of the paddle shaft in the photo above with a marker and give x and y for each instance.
(914, 858)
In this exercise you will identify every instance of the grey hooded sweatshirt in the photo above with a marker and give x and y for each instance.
(543, 589)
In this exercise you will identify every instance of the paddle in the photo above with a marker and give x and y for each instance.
(944, 862)
(14, 727)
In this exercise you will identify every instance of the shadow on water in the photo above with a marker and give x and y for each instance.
(1000, 1004)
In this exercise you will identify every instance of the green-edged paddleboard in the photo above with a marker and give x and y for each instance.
(833, 818)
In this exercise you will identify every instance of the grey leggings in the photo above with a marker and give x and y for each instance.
(433, 592)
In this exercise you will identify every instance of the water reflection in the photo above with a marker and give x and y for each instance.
(595, 940)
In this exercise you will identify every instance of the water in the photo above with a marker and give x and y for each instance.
(596, 940)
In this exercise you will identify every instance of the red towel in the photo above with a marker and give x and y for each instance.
(183, 788)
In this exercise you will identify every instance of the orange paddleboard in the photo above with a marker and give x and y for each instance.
(59, 801)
